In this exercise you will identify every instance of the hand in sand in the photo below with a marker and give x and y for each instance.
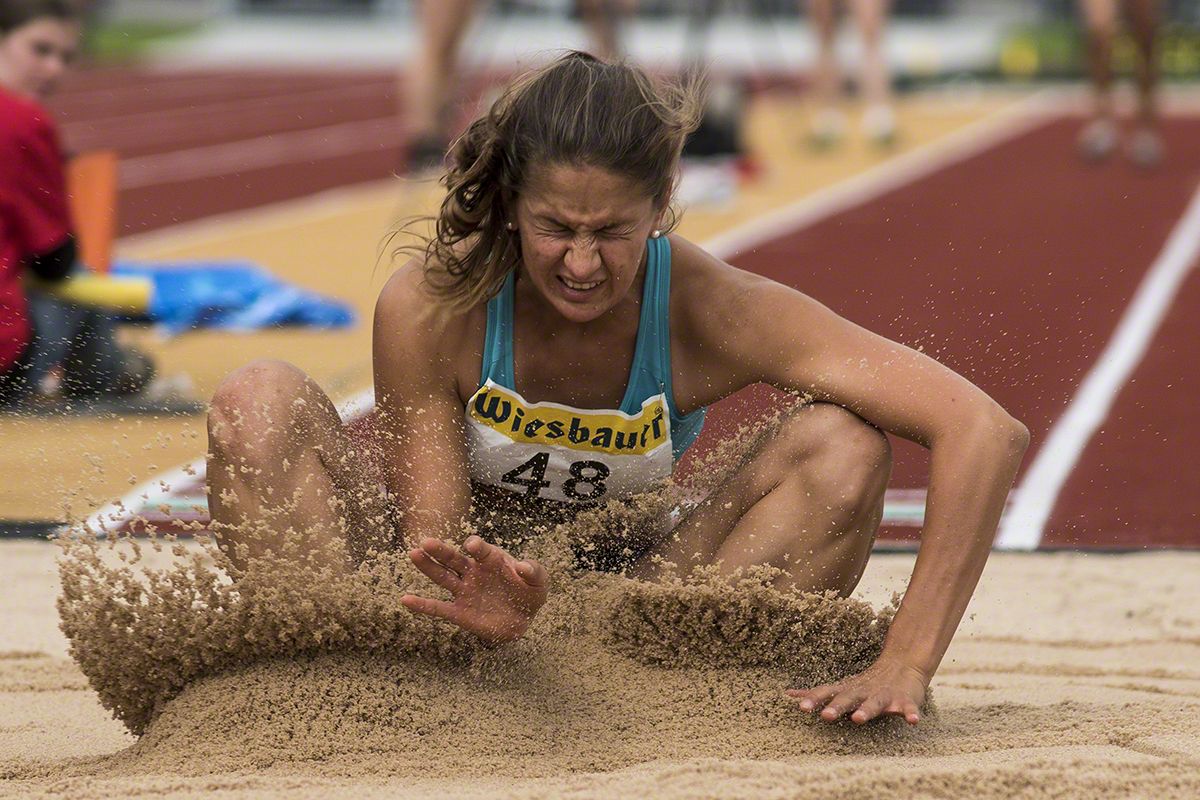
(495, 595)
(884, 688)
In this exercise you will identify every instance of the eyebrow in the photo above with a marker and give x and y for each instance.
(622, 223)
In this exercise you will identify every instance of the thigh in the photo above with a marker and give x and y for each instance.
(1099, 15)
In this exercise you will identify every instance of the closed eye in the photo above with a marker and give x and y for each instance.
(614, 233)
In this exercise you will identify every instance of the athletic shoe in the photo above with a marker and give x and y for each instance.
(879, 125)
(827, 129)
(1146, 148)
(1098, 139)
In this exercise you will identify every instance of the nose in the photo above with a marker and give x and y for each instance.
(582, 259)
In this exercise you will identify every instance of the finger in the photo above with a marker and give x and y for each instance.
(814, 698)
(431, 608)
(482, 551)
(869, 710)
(532, 573)
(446, 554)
(445, 578)
(912, 714)
(842, 703)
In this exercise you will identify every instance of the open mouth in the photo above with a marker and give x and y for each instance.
(578, 286)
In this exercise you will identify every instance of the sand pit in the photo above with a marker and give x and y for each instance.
(1074, 676)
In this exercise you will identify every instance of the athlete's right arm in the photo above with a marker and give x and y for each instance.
(420, 413)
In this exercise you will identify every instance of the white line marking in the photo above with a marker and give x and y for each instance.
(230, 158)
(1023, 526)
(906, 168)
(950, 149)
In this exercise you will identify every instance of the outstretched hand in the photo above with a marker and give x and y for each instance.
(884, 688)
(495, 596)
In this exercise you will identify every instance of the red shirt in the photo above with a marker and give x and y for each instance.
(34, 216)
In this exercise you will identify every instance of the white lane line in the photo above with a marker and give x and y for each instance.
(1023, 525)
(272, 150)
(906, 168)
(952, 148)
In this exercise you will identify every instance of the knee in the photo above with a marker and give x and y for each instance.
(254, 408)
(1101, 27)
(844, 461)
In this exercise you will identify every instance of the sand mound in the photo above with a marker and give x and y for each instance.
(293, 665)
(1108, 710)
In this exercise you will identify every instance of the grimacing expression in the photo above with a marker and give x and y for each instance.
(583, 236)
(34, 57)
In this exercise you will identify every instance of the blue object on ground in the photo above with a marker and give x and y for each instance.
(230, 295)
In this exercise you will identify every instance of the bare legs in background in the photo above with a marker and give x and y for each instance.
(431, 80)
(431, 77)
(1099, 137)
(874, 80)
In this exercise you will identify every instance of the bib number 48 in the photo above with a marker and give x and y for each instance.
(586, 481)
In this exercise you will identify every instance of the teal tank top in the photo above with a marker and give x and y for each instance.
(650, 373)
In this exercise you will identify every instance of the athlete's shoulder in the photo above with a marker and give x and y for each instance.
(410, 310)
(702, 279)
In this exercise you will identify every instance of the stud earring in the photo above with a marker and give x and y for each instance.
(510, 226)
(656, 233)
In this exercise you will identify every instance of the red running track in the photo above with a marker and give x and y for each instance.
(194, 144)
(1012, 267)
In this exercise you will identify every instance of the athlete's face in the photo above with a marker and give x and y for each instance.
(583, 237)
(34, 56)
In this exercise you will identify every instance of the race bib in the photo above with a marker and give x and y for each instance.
(571, 455)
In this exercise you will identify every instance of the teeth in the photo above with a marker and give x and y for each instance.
(581, 287)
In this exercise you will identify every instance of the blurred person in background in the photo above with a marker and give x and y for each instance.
(1100, 136)
(431, 80)
(42, 337)
(874, 80)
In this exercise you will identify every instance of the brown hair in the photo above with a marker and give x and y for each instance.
(577, 110)
(17, 13)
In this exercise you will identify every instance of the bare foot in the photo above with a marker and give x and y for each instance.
(495, 595)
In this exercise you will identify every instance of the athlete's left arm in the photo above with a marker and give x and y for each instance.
(758, 330)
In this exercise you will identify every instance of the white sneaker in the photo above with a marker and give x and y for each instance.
(879, 125)
(1146, 148)
(1098, 139)
(827, 129)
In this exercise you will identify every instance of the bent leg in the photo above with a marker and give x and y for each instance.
(278, 474)
(808, 500)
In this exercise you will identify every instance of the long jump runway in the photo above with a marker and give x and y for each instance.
(1017, 266)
